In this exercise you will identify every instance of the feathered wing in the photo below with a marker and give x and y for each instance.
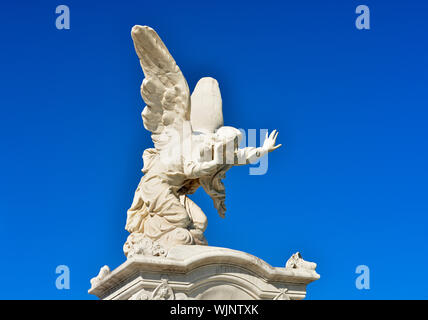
(164, 89)
(166, 93)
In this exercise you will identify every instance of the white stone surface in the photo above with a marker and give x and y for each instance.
(167, 253)
(192, 148)
(203, 273)
(206, 106)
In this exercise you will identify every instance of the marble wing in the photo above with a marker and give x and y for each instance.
(164, 89)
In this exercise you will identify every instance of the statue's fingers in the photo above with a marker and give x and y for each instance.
(276, 147)
(272, 134)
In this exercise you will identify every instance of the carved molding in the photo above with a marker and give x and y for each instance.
(200, 272)
(162, 292)
(282, 295)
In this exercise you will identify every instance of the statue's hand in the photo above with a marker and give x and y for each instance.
(269, 143)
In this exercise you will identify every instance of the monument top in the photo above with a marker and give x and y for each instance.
(204, 272)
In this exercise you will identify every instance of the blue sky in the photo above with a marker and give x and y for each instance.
(348, 187)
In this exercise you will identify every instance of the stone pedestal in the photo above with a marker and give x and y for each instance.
(204, 273)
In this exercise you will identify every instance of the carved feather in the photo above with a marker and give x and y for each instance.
(164, 89)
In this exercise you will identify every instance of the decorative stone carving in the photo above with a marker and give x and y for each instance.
(139, 244)
(296, 262)
(104, 272)
(163, 292)
(282, 295)
(141, 295)
(192, 148)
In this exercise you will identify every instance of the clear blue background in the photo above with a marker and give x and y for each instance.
(349, 188)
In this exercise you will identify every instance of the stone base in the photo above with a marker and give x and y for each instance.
(204, 273)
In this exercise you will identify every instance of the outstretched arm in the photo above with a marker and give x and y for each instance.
(196, 169)
(252, 154)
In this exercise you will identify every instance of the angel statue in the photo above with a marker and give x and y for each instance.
(192, 148)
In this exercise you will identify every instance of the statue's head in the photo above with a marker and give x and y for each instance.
(229, 137)
(228, 134)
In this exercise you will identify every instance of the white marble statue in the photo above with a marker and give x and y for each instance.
(192, 148)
